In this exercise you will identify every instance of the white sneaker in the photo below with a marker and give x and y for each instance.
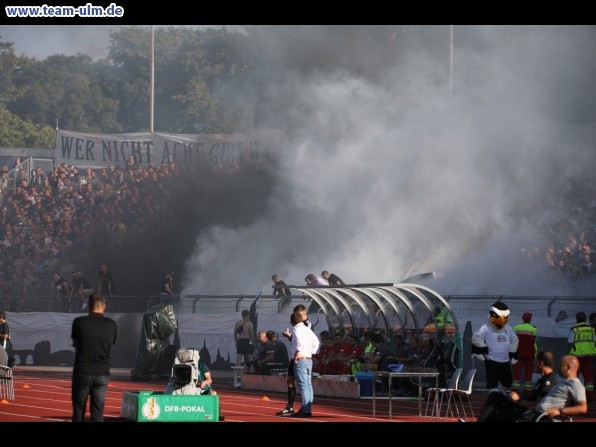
(84, 306)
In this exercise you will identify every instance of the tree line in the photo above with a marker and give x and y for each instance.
(213, 80)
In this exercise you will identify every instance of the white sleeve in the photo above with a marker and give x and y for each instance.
(571, 337)
(478, 337)
(513, 341)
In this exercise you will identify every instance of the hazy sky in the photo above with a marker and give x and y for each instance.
(390, 175)
(41, 41)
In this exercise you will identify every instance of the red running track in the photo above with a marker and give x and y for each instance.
(44, 396)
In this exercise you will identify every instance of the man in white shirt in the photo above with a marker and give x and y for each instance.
(305, 344)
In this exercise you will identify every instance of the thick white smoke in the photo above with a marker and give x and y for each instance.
(393, 177)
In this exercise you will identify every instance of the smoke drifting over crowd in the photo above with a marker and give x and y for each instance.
(391, 175)
(394, 164)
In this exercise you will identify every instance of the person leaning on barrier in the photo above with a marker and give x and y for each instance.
(332, 279)
(280, 287)
(315, 281)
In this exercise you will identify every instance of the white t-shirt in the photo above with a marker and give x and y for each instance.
(499, 342)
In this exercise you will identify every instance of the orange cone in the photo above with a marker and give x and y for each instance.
(4, 401)
(25, 387)
(264, 398)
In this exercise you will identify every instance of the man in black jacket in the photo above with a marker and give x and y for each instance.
(93, 337)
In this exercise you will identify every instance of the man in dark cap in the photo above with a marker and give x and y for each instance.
(526, 353)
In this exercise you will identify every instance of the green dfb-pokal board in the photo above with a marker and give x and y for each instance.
(151, 406)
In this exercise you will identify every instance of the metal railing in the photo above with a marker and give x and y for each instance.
(463, 305)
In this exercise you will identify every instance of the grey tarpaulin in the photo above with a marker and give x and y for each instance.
(158, 324)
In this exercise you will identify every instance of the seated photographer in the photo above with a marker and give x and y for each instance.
(509, 407)
(566, 398)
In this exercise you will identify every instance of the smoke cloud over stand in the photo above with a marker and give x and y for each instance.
(387, 175)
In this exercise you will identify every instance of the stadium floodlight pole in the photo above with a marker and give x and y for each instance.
(451, 59)
(152, 77)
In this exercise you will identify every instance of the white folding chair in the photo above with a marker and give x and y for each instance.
(6, 382)
(431, 392)
(464, 391)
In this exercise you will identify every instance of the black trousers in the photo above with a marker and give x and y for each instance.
(499, 408)
(498, 372)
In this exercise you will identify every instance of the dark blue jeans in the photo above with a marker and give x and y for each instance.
(84, 387)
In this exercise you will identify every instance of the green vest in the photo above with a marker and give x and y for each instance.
(583, 340)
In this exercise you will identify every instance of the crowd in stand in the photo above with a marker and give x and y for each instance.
(572, 246)
(46, 218)
(49, 216)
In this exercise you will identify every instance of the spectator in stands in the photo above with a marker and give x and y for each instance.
(105, 285)
(585, 268)
(332, 279)
(168, 295)
(280, 289)
(62, 292)
(80, 292)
